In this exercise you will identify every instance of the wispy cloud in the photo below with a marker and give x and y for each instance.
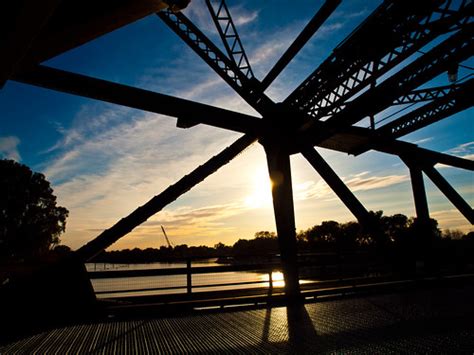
(200, 15)
(112, 159)
(451, 219)
(358, 182)
(198, 218)
(423, 140)
(242, 17)
(465, 150)
(362, 181)
(351, 15)
(9, 148)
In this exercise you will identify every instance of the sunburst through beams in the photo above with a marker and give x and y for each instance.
(260, 195)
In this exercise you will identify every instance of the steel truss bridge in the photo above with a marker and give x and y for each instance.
(360, 79)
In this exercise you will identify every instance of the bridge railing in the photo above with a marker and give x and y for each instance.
(183, 279)
(262, 271)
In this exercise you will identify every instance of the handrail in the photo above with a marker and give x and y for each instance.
(180, 271)
(188, 271)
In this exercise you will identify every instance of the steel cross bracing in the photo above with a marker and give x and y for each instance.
(214, 57)
(429, 94)
(398, 29)
(226, 28)
(388, 37)
(412, 97)
(458, 99)
(456, 48)
(450, 23)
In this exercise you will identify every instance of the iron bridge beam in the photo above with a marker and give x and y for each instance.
(150, 101)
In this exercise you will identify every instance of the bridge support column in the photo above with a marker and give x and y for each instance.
(280, 174)
(419, 193)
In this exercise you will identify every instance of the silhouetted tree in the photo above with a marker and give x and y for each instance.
(347, 236)
(222, 249)
(424, 234)
(455, 234)
(30, 220)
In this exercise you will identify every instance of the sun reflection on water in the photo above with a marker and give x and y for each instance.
(278, 279)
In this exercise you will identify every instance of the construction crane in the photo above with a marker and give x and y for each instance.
(166, 237)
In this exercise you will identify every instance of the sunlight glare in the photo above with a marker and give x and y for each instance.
(278, 280)
(261, 195)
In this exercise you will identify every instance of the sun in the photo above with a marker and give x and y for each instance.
(261, 195)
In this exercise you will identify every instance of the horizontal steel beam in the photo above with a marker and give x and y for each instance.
(129, 96)
(397, 147)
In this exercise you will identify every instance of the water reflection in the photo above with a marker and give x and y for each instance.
(278, 279)
(172, 284)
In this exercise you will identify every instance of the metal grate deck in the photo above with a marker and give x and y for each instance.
(428, 321)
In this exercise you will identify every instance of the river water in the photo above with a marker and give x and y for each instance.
(135, 286)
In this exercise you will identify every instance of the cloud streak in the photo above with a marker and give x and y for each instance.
(9, 148)
(465, 151)
(358, 182)
(451, 219)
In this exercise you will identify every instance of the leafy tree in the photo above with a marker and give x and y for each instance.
(424, 234)
(455, 234)
(30, 220)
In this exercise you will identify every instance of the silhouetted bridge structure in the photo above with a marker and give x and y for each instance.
(358, 82)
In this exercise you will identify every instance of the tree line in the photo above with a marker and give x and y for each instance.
(389, 234)
(31, 223)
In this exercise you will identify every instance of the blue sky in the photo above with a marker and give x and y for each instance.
(105, 160)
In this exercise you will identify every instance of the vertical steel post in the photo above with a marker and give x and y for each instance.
(189, 284)
(419, 193)
(278, 161)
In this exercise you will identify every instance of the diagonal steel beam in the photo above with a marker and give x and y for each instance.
(337, 185)
(391, 34)
(450, 193)
(279, 169)
(231, 39)
(157, 203)
(217, 60)
(120, 94)
(455, 49)
(314, 24)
